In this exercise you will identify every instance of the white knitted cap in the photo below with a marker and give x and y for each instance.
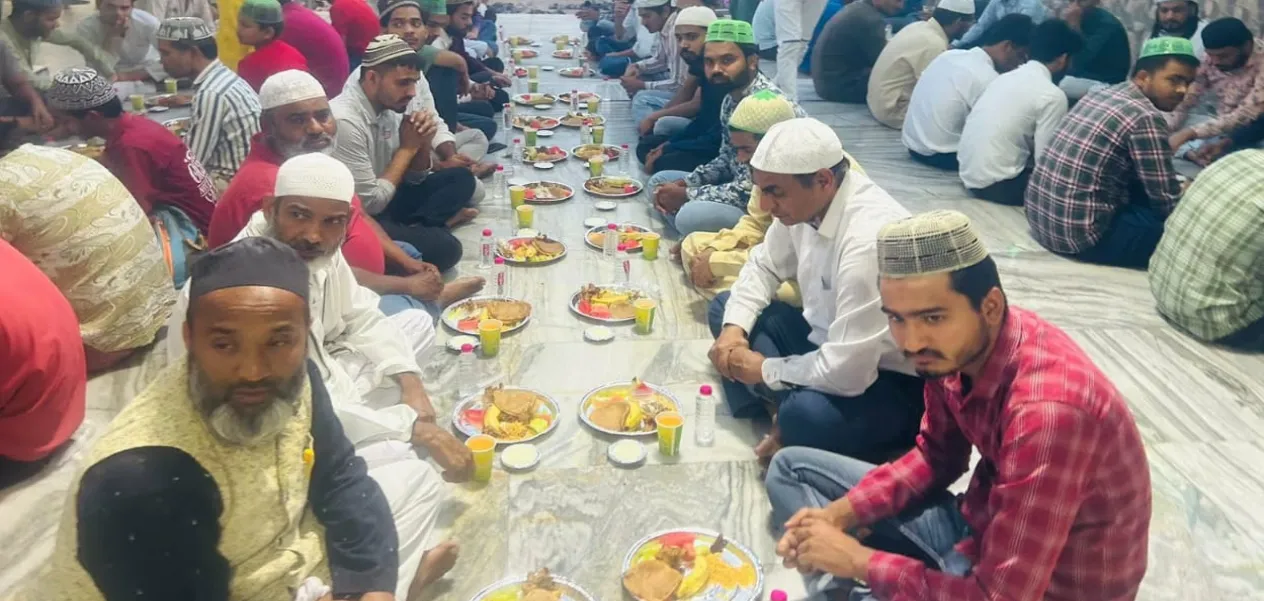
(289, 87)
(697, 16)
(928, 243)
(798, 146)
(315, 175)
(965, 7)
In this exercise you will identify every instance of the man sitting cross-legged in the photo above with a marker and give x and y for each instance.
(829, 372)
(1059, 506)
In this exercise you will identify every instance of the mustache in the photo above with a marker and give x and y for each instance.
(925, 354)
(303, 246)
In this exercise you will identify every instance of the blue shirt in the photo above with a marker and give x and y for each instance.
(765, 25)
(996, 9)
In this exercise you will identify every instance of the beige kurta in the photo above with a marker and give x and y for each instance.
(902, 61)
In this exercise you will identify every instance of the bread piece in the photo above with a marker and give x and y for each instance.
(652, 580)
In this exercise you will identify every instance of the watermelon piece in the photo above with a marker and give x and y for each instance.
(468, 325)
(678, 539)
(474, 416)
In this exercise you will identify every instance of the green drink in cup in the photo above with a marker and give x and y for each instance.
(599, 134)
(531, 135)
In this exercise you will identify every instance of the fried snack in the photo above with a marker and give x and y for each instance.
(672, 556)
(652, 580)
(540, 586)
(514, 405)
(610, 416)
(508, 312)
(547, 246)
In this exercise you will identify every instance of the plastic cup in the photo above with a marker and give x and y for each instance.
(138, 103)
(599, 134)
(531, 135)
(561, 44)
(649, 246)
(517, 196)
(171, 86)
(670, 424)
(526, 215)
(483, 447)
(593, 105)
(644, 310)
(489, 336)
(596, 165)
(517, 54)
(533, 72)
(533, 86)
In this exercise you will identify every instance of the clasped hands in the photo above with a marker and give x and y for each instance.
(816, 540)
(733, 358)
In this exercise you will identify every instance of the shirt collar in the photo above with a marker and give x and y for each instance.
(1039, 67)
(829, 225)
(206, 73)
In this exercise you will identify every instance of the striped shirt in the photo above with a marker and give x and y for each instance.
(666, 57)
(225, 117)
(1208, 271)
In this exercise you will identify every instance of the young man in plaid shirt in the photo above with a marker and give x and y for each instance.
(1103, 188)
(1058, 509)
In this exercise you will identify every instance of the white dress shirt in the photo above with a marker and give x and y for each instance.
(137, 51)
(836, 266)
(943, 98)
(1010, 126)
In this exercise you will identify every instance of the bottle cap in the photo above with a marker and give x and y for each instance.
(517, 140)
(623, 246)
(487, 232)
(705, 389)
(611, 226)
(467, 348)
(777, 595)
(625, 146)
(500, 167)
(499, 261)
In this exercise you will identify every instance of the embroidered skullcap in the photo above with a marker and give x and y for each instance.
(253, 261)
(1167, 46)
(41, 5)
(77, 89)
(434, 7)
(965, 7)
(798, 146)
(760, 111)
(263, 12)
(651, 3)
(928, 243)
(394, 4)
(697, 16)
(385, 48)
(184, 29)
(288, 87)
(729, 30)
(315, 175)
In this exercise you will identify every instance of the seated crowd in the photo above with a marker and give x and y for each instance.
(294, 245)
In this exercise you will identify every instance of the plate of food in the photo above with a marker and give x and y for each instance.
(534, 99)
(465, 315)
(92, 151)
(583, 96)
(564, 38)
(509, 415)
(523, 121)
(517, 40)
(528, 53)
(536, 250)
(572, 72)
(584, 152)
(612, 187)
(630, 234)
(544, 193)
(568, 53)
(179, 127)
(577, 119)
(520, 72)
(169, 100)
(539, 585)
(625, 408)
(610, 303)
(544, 154)
(691, 563)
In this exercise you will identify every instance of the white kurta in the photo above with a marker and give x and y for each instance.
(795, 22)
(1010, 125)
(837, 270)
(943, 97)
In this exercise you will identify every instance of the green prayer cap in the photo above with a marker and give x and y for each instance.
(1167, 46)
(434, 7)
(730, 30)
(760, 111)
(263, 12)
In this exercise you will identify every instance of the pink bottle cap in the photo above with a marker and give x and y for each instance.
(467, 348)
(777, 595)
(487, 232)
(500, 167)
(517, 140)
(611, 226)
(625, 146)
(500, 260)
(705, 389)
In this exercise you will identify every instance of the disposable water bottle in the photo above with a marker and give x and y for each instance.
(575, 101)
(625, 264)
(704, 425)
(585, 132)
(485, 250)
(467, 373)
(623, 161)
(507, 113)
(498, 183)
(501, 277)
(610, 245)
(517, 151)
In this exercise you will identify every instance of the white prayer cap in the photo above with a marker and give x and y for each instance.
(928, 243)
(315, 175)
(798, 146)
(965, 7)
(289, 87)
(697, 16)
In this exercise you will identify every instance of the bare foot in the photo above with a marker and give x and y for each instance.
(767, 448)
(482, 170)
(462, 217)
(460, 288)
(434, 564)
(675, 252)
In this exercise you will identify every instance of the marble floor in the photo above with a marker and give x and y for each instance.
(1200, 409)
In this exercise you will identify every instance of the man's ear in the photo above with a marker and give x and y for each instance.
(993, 307)
(270, 206)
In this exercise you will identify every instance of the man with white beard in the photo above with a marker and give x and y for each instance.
(369, 362)
(230, 476)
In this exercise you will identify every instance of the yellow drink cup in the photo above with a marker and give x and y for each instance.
(593, 105)
(138, 103)
(517, 196)
(526, 215)
(596, 165)
(533, 86)
(643, 310)
(670, 426)
(489, 336)
(171, 86)
(561, 44)
(517, 54)
(531, 135)
(483, 447)
(599, 134)
(533, 72)
(649, 246)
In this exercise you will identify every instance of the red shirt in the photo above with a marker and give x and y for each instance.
(356, 22)
(320, 44)
(1059, 506)
(268, 60)
(256, 180)
(158, 169)
(43, 379)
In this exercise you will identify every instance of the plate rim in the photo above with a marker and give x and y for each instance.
(444, 316)
(462, 405)
(589, 243)
(549, 202)
(640, 187)
(574, 304)
(750, 557)
(516, 98)
(584, 399)
(555, 126)
(618, 149)
(503, 582)
(565, 249)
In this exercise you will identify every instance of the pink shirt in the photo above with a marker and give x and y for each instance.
(320, 44)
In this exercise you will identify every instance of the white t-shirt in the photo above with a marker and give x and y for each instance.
(1010, 126)
(942, 99)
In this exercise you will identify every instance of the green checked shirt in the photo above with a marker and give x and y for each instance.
(1208, 271)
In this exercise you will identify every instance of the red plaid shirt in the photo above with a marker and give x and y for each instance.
(1059, 506)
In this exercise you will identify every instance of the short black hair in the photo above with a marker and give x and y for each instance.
(1013, 28)
(111, 109)
(1052, 39)
(976, 281)
(412, 60)
(20, 8)
(1226, 33)
(207, 47)
(452, 8)
(947, 18)
(1150, 64)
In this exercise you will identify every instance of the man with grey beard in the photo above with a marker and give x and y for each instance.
(230, 476)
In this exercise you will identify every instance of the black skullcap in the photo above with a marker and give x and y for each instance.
(1226, 33)
(254, 261)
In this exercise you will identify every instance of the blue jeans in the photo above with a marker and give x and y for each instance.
(800, 478)
(695, 215)
(663, 177)
(614, 66)
(390, 304)
(881, 420)
(1133, 235)
(648, 101)
(670, 125)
